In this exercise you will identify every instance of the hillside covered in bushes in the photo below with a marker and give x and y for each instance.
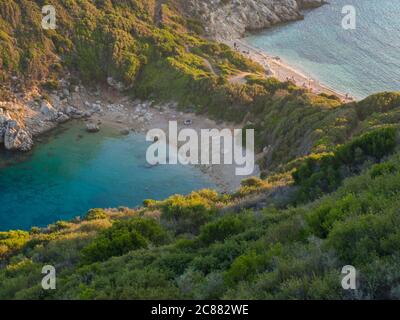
(216, 246)
(183, 248)
(327, 197)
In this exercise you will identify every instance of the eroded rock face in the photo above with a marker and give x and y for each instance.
(230, 19)
(12, 135)
(48, 110)
(17, 138)
(4, 118)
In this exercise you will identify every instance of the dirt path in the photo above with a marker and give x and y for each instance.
(210, 67)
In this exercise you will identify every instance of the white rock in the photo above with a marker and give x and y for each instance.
(92, 127)
(97, 108)
(115, 84)
(69, 110)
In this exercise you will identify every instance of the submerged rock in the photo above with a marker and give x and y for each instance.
(125, 132)
(92, 127)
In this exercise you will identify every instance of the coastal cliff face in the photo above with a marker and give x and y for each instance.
(230, 19)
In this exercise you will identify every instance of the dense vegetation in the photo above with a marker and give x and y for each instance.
(329, 197)
(156, 252)
(322, 174)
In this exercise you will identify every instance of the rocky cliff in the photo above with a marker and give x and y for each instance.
(230, 19)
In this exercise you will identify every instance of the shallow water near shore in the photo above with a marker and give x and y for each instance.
(359, 62)
(71, 171)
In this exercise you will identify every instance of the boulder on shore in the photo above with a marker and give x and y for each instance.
(48, 110)
(62, 118)
(115, 84)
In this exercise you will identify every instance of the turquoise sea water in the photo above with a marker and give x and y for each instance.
(72, 171)
(361, 61)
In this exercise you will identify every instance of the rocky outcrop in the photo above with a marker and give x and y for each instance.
(12, 134)
(4, 118)
(310, 4)
(26, 115)
(48, 110)
(230, 19)
(17, 138)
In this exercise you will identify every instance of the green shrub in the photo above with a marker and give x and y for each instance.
(222, 229)
(383, 169)
(12, 241)
(324, 174)
(360, 240)
(375, 144)
(51, 85)
(123, 237)
(322, 219)
(252, 182)
(96, 214)
(245, 267)
(186, 214)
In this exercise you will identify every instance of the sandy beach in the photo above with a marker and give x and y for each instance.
(281, 70)
(135, 116)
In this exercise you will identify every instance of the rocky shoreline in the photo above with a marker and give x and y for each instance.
(33, 114)
(232, 19)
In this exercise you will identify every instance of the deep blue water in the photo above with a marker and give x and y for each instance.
(72, 171)
(361, 61)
